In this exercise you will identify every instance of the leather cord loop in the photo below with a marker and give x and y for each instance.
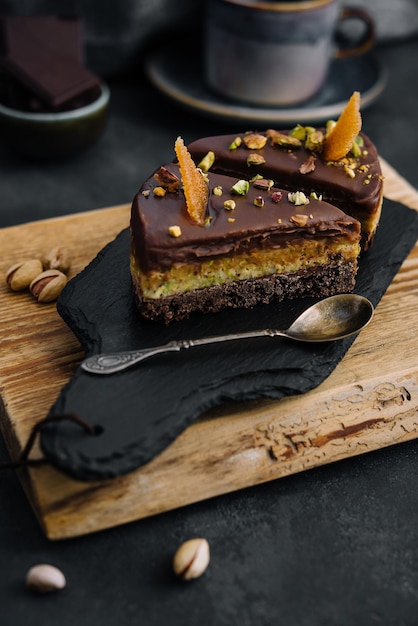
(24, 461)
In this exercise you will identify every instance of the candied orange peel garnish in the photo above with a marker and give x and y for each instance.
(196, 190)
(341, 138)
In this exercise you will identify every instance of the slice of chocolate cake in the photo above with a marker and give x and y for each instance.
(257, 244)
(295, 160)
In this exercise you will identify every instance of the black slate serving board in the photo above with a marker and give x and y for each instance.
(140, 411)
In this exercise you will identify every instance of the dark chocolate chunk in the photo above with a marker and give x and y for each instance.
(42, 61)
(60, 34)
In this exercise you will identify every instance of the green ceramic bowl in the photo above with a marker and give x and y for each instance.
(54, 135)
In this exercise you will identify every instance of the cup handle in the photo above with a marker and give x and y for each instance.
(368, 38)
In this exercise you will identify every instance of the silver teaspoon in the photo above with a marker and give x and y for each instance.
(330, 319)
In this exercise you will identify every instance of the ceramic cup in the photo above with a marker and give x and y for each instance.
(273, 53)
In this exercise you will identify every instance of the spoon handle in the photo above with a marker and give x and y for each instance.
(117, 361)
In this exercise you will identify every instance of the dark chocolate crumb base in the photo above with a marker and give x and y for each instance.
(318, 282)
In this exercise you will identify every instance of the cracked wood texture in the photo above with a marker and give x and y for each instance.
(369, 401)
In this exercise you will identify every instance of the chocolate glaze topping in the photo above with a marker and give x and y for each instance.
(358, 196)
(253, 227)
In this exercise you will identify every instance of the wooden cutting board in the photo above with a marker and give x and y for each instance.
(370, 400)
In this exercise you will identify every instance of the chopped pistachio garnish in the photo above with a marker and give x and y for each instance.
(264, 183)
(255, 159)
(315, 196)
(217, 191)
(299, 219)
(174, 231)
(280, 139)
(255, 178)
(357, 146)
(299, 132)
(314, 140)
(329, 127)
(255, 141)
(298, 198)
(207, 161)
(241, 187)
(167, 179)
(349, 171)
(229, 205)
(276, 196)
(159, 192)
(235, 144)
(259, 201)
(231, 220)
(309, 165)
(208, 221)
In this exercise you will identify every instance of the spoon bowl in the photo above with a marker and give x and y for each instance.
(330, 319)
(333, 318)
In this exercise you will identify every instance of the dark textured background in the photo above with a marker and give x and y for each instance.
(335, 546)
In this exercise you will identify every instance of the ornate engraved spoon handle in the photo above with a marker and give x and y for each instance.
(117, 361)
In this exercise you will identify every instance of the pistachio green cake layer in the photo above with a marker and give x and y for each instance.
(183, 278)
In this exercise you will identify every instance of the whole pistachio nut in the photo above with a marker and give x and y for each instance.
(20, 275)
(57, 259)
(191, 558)
(44, 578)
(47, 286)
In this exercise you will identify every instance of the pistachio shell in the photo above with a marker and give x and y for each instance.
(191, 559)
(44, 578)
(20, 275)
(47, 286)
(57, 259)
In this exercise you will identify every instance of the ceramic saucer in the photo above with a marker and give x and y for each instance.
(180, 76)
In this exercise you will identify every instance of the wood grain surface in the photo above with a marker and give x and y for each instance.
(369, 401)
